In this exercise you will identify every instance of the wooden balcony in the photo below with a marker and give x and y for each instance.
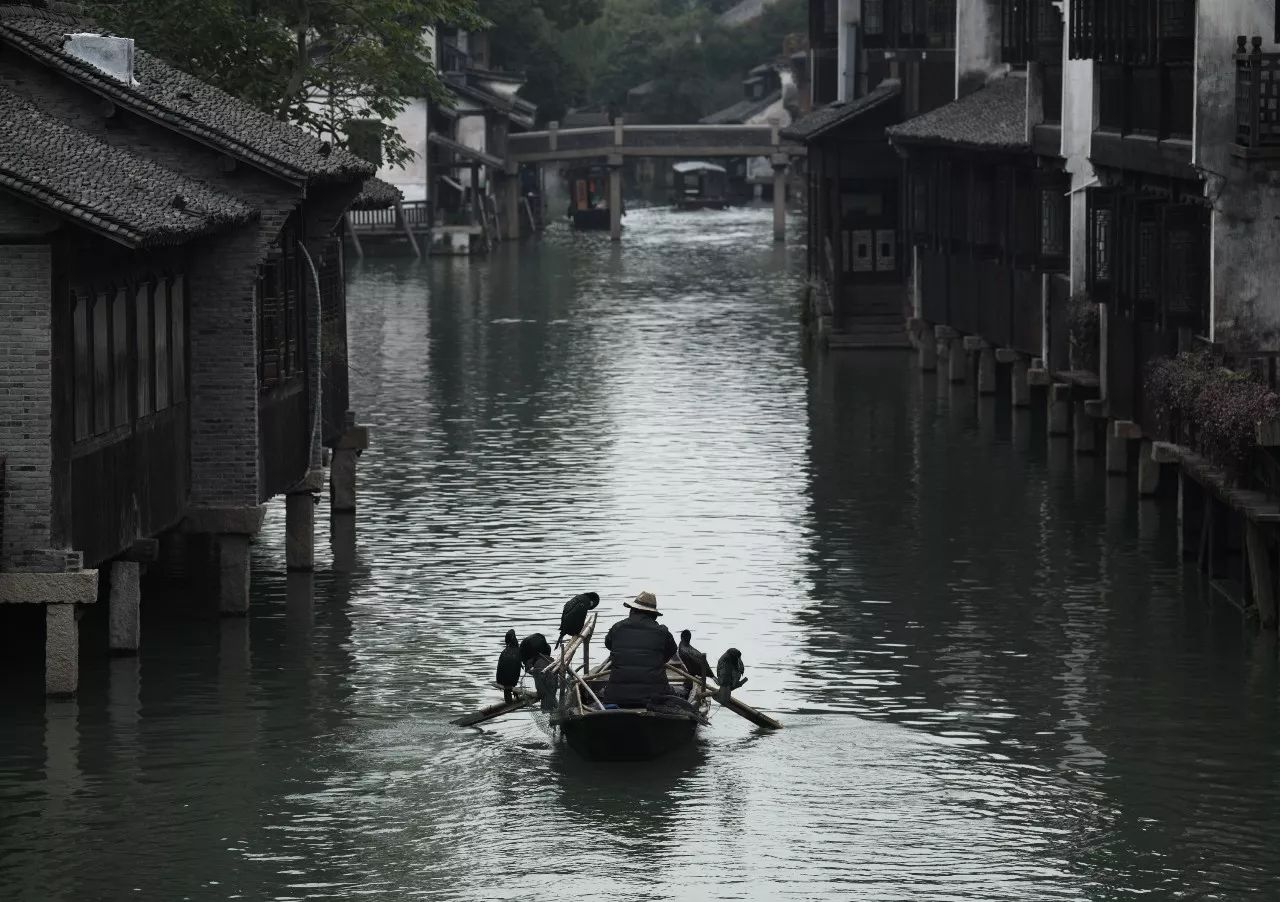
(1257, 101)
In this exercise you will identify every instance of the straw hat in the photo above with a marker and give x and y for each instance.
(645, 601)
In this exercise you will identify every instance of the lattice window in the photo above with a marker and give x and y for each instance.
(1054, 215)
(1101, 243)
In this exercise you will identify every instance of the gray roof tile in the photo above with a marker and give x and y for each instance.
(993, 117)
(833, 115)
(377, 195)
(743, 110)
(106, 189)
(183, 102)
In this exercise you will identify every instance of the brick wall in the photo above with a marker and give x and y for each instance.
(222, 273)
(25, 399)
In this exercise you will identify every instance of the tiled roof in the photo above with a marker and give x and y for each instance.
(377, 195)
(743, 110)
(129, 199)
(833, 115)
(993, 117)
(183, 102)
(518, 110)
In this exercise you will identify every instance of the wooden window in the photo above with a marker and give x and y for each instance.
(1143, 89)
(942, 24)
(160, 331)
(1111, 99)
(142, 342)
(178, 337)
(1100, 227)
(1184, 292)
(873, 18)
(1055, 216)
(101, 346)
(120, 357)
(1051, 86)
(81, 326)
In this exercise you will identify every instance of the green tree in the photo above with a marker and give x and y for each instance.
(317, 63)
(527, 37)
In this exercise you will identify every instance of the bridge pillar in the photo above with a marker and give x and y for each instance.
(511, 202)
(615, 197)
(780, 163)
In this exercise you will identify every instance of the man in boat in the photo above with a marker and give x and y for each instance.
(640, 648)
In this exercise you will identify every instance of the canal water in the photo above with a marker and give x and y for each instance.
(997, 681)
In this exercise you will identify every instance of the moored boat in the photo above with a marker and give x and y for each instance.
(700, 186)
(589, 197)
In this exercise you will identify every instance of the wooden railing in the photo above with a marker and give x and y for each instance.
(415, 213)
(452, 59)
(1257, 100)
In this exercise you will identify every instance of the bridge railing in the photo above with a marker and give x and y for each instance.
(666, 139)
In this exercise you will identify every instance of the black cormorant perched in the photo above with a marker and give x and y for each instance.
(533, 645)
(729, 672)
(509, 666)
(575, 613)
(694, 661)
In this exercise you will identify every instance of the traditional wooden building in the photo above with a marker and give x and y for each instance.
(875, 63)
(173, 268)
(985, 221)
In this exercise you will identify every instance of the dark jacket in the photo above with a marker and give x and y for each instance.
(640, 647)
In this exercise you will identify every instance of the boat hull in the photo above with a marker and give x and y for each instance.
(702, 204)
(626, 734)
(592, 220)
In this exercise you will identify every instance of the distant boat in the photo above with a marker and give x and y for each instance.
(700, 186)
(589, 197)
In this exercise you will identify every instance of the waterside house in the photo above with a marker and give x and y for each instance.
(1094, 192)
(174, 350)
(456, 188)
(770, 96)
(873, 63)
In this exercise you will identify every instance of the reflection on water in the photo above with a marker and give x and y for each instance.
(997, 681)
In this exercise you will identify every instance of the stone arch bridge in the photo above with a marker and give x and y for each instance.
(612, 144)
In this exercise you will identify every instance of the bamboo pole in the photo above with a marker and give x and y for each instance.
(737, 706)
(497, 710)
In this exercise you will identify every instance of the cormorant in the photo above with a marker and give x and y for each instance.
(694, 661)
(533, 645)
(729, 673)
(575, 613)
(509, 666)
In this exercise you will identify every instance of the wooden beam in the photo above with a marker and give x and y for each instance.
(408, 229)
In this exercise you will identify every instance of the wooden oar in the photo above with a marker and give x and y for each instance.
(737, 706)
(501, 708)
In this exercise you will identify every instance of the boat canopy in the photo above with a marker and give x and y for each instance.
(697, 166)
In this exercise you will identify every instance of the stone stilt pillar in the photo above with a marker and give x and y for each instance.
(1117, 454)
(1148, 471)
(1261, 575)
(1085, 431)
(1059, 410)
(957, 361)
(987, 371)
(233, 574)
(1020, 386)
(1191, 515)
(342, 481)
(342, 541)
(300, 531)
(61, 649)
(511, 205)
(123, 607)
(928, 353)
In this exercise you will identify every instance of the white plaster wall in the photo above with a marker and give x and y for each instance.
(759, 169)
(412, 180)
(471, 132)
(1245, 306)
(849, 16)
(1077, 137)
(977, 43)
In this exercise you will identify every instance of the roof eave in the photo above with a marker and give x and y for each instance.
(102, 84)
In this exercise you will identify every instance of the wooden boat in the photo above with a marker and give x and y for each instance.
(589, 197)
(600, 732)
(700, 186)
